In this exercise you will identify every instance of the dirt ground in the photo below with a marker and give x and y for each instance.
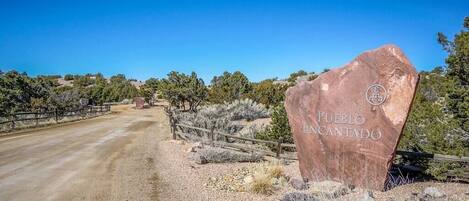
(126, 155)
(110, 157)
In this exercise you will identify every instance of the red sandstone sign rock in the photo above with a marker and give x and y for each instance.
(347, 122)
(139, 102)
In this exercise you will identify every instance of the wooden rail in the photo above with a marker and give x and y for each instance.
(280, 145)
(212, 136)
(55, 115)
(436, 157)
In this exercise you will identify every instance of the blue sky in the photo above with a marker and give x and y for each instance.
(263, 39)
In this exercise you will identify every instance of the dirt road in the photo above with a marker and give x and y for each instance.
(107, 158)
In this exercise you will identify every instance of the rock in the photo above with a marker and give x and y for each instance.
(347, 122)
(433, 192)
(413, 196)
(368, 196)
(194, 147)
(298, 196)
(197, 158)
(329, 189)
(298, 184)
(126, 101)
(248, 180)
(279, 182)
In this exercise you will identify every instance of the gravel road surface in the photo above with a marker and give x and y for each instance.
(111, 157)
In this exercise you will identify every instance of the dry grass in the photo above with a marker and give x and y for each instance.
(261, 183)
(275, 170)
(265, 178)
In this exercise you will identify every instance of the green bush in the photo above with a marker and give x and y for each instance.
(181, 89)
(295, 75)
(268, 93)
(439, 119)
(68, 77)
(21, 93)
(149, 89)
(279, 127)
(431, 127)
(229, 87)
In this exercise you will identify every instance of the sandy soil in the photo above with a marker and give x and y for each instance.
(127, 155)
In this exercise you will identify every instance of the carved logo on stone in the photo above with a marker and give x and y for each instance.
(376, 94)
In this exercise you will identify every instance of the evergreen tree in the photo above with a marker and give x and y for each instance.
(229, 87)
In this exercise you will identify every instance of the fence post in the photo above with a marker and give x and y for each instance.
(171, 124)
(36, 117)
(56, 116)
(173, 127)
(279, 146)
(206, 135)
(211, 135)
(13, 124)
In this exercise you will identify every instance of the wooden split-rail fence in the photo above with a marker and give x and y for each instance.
(212, 137)
(34, 119)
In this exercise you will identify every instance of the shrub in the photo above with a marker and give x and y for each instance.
(431, 127)
(268, 93)
(439, 119)
(149, 89)
(250, 131)
(221, 117)
(206, 118)
(279, 127)
(293, 76)
(295, 196)
(179, 89)
(229, 87)
(19, 92)
(68, 77)
(65, 99)
(246, 109)
(220, 155)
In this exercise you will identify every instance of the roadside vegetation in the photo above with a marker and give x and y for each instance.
(22, 93)
(438, 121)
(439, 118)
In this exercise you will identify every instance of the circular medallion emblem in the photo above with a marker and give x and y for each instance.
(376, 94)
